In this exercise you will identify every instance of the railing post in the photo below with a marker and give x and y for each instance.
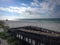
(24, 38)
(36, 42)
(21, 37)
(33, 42)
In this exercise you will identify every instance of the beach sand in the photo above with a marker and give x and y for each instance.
(51, 26)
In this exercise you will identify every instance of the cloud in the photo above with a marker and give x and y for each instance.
(23, 4)
(54, 1)
(54, 5)
(29, 12)
(35, 3)
(9, 17)
(42, 9)
(36, 9)
(14, 9)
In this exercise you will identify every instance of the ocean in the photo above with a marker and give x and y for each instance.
(52, 24)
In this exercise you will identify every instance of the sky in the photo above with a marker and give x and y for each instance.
(29, 9)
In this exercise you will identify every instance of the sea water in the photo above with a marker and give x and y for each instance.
(52, 24)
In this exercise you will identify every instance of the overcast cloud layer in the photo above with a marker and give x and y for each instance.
(15, 9)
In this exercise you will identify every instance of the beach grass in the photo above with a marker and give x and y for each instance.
(10, 39)
(2, 24)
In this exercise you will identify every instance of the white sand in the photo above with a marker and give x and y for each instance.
(51, 26)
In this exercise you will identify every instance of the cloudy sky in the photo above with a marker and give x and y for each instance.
(21, 9)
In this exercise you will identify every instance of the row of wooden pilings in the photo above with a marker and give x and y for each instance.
(37, 42)
(29, 40)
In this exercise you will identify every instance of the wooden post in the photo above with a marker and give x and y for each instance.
(24, 38)
(38, 42)
(33, 42)
(50, 42)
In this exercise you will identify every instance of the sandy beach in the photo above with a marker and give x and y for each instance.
(48, 25)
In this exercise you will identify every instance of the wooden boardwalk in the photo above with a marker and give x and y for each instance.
(41, 33)
(36, 35)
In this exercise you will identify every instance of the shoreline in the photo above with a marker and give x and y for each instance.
(51, 26)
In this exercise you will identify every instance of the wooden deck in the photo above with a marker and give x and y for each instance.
(41, 33)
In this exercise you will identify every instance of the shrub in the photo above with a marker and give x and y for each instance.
(3, 35)
(10, 39)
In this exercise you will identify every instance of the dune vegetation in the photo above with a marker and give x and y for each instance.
(5, 36)
(2, 24)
